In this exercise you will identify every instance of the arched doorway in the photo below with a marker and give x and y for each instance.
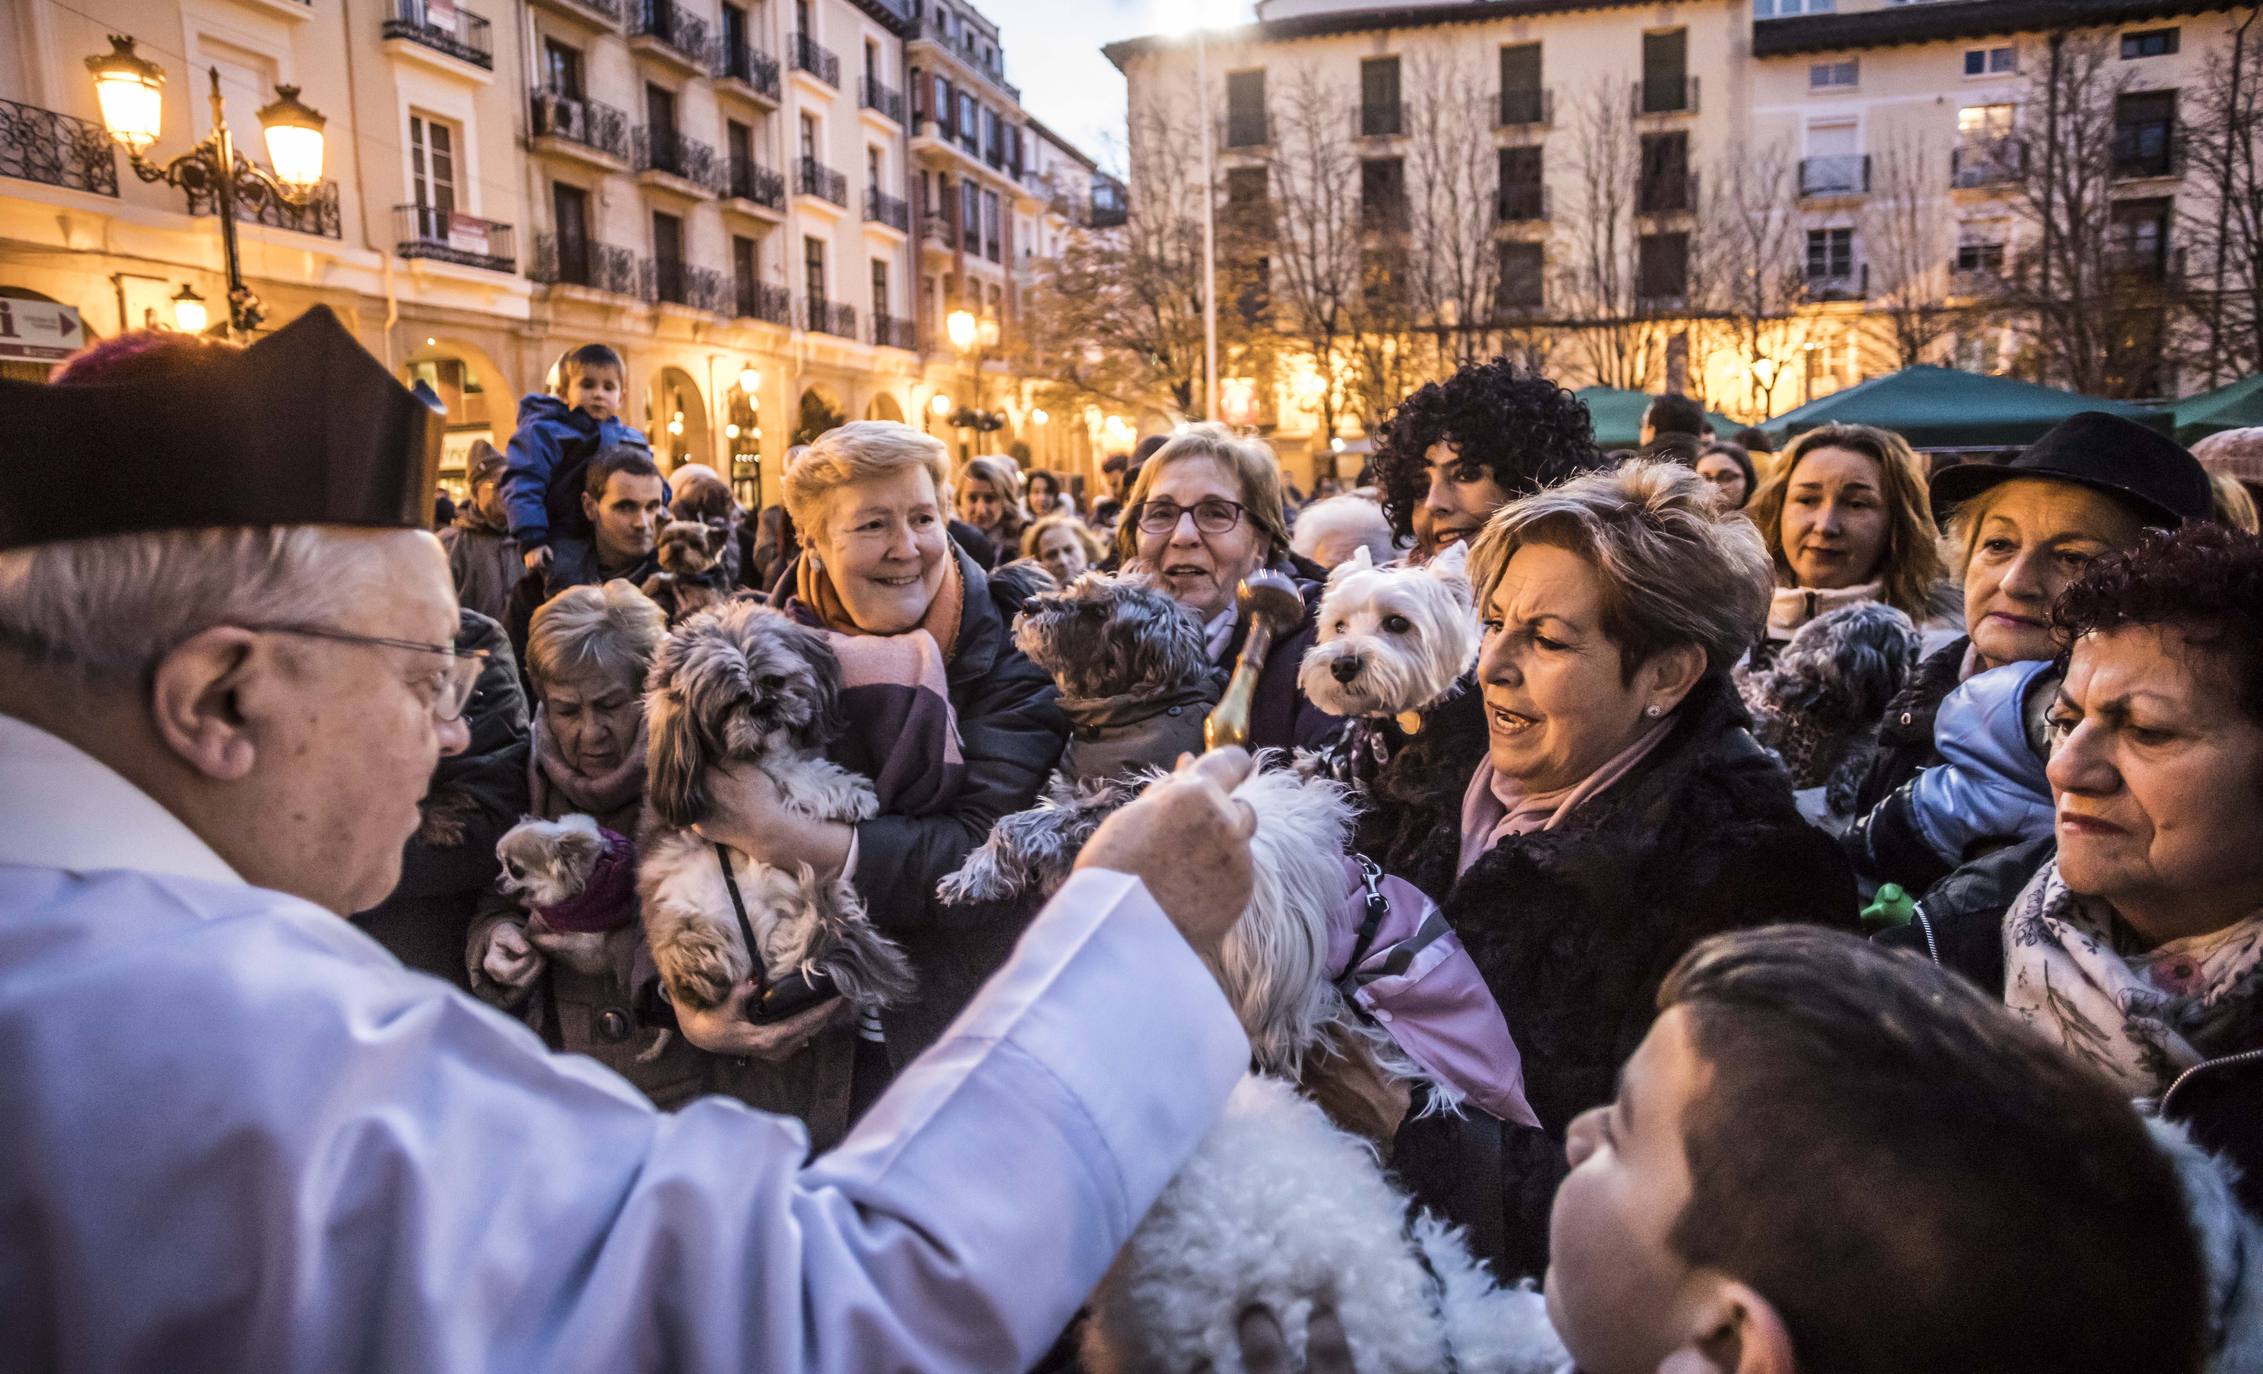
(676, 420)
(476, 394)
(819, 411)
(883, 407)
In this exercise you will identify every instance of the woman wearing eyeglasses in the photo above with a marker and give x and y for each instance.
(1206, 512)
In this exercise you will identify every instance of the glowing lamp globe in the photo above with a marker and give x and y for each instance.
(131, 91)
(294, 138)
(189, 314)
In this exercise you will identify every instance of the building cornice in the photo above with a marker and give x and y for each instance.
(1958, 19)
(1043, 130)
(893, 15)
(1370, 20)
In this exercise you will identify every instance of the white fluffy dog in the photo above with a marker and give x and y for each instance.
(1393, 640)
(743, 682)
(1279, 1208)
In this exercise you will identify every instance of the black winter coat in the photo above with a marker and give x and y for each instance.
(475, 796)
(1575, 929)
(1010, 733)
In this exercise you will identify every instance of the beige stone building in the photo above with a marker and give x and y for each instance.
(721, 189)
(1650, 115)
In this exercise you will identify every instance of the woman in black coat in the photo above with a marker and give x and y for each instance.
(1609, 810)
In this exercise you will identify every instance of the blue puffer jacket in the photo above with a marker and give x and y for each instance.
(1988, 791)
(542, 468)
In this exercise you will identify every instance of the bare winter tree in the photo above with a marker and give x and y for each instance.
(2223, 225)
(1749, 268)
(1453, 174)
(2096, 281)
(1314, 229)
(1908, 246)
(1611, 332)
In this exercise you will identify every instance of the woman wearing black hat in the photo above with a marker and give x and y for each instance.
(2023, 532)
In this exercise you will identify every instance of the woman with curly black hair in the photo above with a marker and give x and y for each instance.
(1456, 451)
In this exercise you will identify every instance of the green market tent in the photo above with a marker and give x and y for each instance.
(2227, 407)
(1618, 416)
(1943, 408)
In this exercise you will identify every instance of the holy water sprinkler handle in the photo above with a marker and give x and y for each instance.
(1267, 602)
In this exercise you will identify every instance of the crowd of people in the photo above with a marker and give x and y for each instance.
(1859, 853)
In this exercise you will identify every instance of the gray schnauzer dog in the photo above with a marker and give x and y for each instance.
(1818, 704)
(745, 683)
(1136, 683)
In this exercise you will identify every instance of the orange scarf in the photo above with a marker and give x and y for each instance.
(813, 586)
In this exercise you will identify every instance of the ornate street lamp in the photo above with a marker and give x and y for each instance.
(131, 91)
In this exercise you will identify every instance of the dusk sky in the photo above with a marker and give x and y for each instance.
(1053, 54)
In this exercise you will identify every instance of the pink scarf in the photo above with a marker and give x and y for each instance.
(556, 788)
(1496, 806)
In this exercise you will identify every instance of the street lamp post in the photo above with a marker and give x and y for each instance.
(1208, 135)
(131, 90)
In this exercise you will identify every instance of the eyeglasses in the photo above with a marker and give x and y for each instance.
(451, 685)
(1212, 515)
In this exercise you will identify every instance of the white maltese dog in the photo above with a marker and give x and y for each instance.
(1394, 642)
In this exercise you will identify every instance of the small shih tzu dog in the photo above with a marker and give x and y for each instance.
(577, 882)
(1818, 704)
(1278, 1203)
(743, 683)
(1393, 642)
(692, 575)
(1136, 682)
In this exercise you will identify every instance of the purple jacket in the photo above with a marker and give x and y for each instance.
(1421, 986)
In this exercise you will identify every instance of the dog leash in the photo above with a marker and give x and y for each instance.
(746, 927)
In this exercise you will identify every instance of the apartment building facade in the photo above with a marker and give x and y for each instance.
(721, 190)
(1688, 105)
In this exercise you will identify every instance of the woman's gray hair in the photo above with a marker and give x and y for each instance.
(110, 608)
(1676, 569)
(1352, 515)
(852, 453)
(598, 635)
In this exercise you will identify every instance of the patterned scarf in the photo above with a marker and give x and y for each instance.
(2140, 1016)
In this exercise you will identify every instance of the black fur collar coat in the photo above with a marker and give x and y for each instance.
(1575, 928)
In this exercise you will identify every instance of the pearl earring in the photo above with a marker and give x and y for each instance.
(1653, 711)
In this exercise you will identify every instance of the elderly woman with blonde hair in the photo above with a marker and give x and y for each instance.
(879, 571)
(1613, 812)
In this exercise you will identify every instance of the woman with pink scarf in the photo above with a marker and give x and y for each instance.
(1612, 812)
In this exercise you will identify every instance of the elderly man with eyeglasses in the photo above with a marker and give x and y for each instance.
(242, 1136)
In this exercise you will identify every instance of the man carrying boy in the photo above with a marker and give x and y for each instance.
(624, 501)
(545, 470)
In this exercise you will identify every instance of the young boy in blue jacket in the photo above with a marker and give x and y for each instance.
(542, 470)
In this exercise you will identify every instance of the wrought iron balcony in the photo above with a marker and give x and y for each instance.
(1382, 119)
(584, 262)
(751, 181)
(886, 100)
(814, 178)
(829, 317)
(423, 231)
(2142, 152)
(808, 55)
(1521, 202)
(319, 216)
(669, 152)
(56, 150)
(1522, 106)
(882, 208)
(1821, 178)
(891, 331)
(679, 35)
(674, 282)
(1851, 283)
(1996, 163)
(1666, 97)
(590, 123)
(750, 67)
(457, 32)
(757, 300)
